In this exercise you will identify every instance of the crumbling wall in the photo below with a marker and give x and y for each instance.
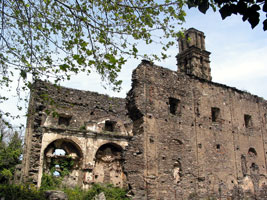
(62, 118)
(194, 138)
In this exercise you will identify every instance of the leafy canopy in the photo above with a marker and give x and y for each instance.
(42, 39)
(249, 9)
(57, 38)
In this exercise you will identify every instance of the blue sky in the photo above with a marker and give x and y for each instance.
(238, 57)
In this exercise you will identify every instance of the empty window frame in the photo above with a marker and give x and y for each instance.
(215, 114)
(110, 126)
(174, 105)
(248, 121)
(252, 152)
(64, 120)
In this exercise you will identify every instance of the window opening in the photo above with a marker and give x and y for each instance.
(201, 60)
(61, 158)
(182, 46)
(174, 106)
(188, 70)
(110, 125)
(254, 167)
(215, 113)
(252, 152)
(59, 152)
(56, 173)
(185, 62)
(248, 121)
(64, 120)
(218, 146)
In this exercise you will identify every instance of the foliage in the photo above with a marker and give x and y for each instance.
(75, 193)
(110, 191)
(58, 38)
(10, 152)
(20, 192)
(43, 39)
(65, 165)
(249, 9)
(50, 182)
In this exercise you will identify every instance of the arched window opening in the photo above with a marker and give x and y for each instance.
(62, 158)
(252, 152)
(108, 165)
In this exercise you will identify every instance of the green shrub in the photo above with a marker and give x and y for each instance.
(21, 192)
(29, 192)
(75, 193)
(50, 182)
(111, 192)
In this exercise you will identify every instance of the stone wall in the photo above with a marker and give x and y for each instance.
(186, 138)
(80, 124)
(193, 137)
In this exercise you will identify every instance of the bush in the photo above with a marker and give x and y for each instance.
(50, 182)
(29, 192)
(21, 192)
(111, 192)
(75, 193)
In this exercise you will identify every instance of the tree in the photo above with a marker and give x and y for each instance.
(58, 38)
(249, 9)
(10, 151)
(55, 38)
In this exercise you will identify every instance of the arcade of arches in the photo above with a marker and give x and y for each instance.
(64, 158)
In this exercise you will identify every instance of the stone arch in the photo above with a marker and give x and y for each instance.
(63, 157)
(108, 165)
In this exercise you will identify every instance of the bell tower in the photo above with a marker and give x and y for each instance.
(193, 59)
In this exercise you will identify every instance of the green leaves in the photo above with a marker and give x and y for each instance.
(10, 151)
(250, 10)
(44, 38)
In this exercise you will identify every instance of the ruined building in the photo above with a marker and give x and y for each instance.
(177, 135)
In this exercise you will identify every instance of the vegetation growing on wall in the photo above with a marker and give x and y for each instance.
(63, 166)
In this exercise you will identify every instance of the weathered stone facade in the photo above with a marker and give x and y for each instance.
(189, 138)
(89, 129)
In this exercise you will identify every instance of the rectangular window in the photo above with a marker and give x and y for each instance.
(215, 114)
(248, 121)
(110, 126)
(174, 106)
(64, 120)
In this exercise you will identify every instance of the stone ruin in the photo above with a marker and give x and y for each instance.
(177, 135)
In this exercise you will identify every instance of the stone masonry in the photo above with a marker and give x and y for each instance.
(180, 135)
(89, 129)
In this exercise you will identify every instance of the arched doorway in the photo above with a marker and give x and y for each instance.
(108, 165)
